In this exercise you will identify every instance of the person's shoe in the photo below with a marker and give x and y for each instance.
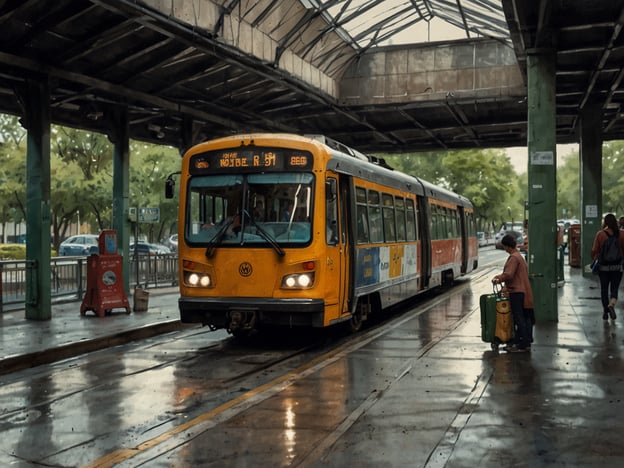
(611, 313)
(605, 315)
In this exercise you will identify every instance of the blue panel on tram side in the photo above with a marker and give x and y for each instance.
(367, 269)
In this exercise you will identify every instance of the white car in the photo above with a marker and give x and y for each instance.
(483, 241)
(172, 242)
(78, 245)
(516, 229)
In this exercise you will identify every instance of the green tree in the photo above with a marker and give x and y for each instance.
(150, 166)
(11, 132)
(82, 179)
(485, 177)
(12, 185)
(81, 185)
(568, 184)
(613, 177)
(12, 172)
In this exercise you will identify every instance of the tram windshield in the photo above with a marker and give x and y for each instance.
(271, 208)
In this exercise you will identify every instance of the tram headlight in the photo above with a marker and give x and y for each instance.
(298, 281)
(197, 280)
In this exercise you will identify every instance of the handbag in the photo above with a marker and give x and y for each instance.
(504, 318)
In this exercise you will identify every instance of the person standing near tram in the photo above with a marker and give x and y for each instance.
(515, 277)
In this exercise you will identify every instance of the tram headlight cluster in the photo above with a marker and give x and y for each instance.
(197, 280)
(298, 281)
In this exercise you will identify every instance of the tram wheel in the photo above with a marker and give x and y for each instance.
(355, 323)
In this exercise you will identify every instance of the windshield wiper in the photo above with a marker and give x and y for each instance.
(268, 237)
(216, 239)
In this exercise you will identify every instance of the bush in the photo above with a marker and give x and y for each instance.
(12, 251)
(16, 252)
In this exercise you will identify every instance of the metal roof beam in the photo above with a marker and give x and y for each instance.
(603, 59)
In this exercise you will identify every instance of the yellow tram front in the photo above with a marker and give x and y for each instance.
(253, 234)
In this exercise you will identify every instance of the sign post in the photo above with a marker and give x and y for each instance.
(138, 215)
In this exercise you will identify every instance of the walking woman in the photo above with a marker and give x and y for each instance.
(515, 275)
(608, 249)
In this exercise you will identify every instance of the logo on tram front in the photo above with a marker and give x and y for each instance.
(245, 269)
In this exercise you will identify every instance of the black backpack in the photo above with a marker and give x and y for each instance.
(611, 253)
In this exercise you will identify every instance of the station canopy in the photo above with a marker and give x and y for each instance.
(369, 23)
(184, 73)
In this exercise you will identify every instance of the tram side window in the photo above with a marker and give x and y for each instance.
(448, 223)
(471, 225)
(374, 217)
(452, 223)
(362, 216)
(410, 218)
(436, 223)
(399, 210)
(443, 233)
(388, 218)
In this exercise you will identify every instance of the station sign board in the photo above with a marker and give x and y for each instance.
(145, 215)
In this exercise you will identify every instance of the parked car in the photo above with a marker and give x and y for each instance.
(146, 248)
(520, 238)
(172, 242)
(80, 244)
(517, 227)
(483, 241)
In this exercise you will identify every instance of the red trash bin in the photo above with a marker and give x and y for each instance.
(574, 245)
(105, 290)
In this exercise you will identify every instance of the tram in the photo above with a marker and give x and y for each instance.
(302, 231)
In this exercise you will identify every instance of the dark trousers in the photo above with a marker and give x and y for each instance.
(523, 324)
(609, 284)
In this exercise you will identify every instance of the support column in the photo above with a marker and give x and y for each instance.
(590, 169)
(35, 99)
(119, 136)
(541, 142)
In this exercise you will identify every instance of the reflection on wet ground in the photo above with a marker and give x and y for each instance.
(421, 389)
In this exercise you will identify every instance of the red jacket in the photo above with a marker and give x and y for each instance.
(515, 275)
(601, 237)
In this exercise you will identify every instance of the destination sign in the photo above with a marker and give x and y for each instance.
(250, 160)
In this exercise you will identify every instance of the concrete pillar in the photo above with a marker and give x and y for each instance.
(119, 136)
(36, 119)
(590, 169)
(541, 142)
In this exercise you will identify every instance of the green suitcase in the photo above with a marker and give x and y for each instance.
(487, 303)
(495, 307)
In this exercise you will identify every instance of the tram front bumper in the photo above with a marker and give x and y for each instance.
(217, 312)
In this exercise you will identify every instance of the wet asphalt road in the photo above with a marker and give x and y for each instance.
(419, 389)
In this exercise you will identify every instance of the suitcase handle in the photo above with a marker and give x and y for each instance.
(498, 290)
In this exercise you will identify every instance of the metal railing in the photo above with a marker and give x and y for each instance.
(68, 281)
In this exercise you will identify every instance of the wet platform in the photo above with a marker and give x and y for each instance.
(29, 343)
(441, 398)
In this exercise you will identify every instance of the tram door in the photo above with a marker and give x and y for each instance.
(335, 236)
(464, 240)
